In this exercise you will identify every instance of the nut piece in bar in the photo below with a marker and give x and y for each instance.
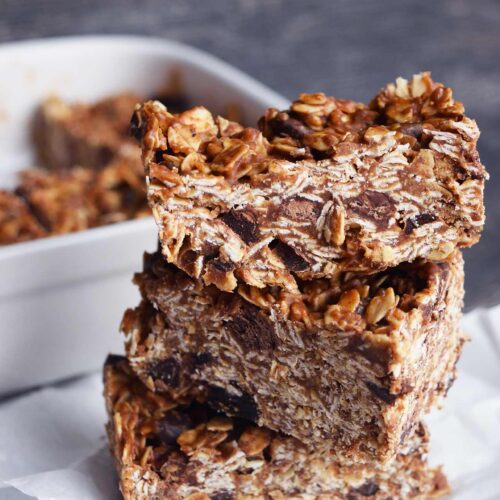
(67, 135)
(352, 362)
(326, 186)
(186, 450)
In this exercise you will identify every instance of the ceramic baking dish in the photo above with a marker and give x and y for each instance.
(61, 298)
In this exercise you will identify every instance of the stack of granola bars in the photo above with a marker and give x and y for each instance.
(302, 313)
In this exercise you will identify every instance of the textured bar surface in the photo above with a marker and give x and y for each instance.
(326, 186)
(185, 450)
(353, 362)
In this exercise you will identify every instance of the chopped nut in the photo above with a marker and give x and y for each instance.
(380, 305)
(254, 440)
(337, 225)
(350, 300)
(147, 427)
(363, 291)
(148, 452)
(198, 496)
(299, 312)
(278, 370)
(223, 424)
(387, 254)
(182, 139)
(212, 439)
(424, 163)
(442, 251)
(188, 438)
(288, 147)
(321, 141)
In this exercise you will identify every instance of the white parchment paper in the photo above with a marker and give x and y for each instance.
(52, 441)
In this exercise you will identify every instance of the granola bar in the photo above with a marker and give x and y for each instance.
(69, 135)
(352, 362)
(324, 187)
(185, 450)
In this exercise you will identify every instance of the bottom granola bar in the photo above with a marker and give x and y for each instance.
(183, 449)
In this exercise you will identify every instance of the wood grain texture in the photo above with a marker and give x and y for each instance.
(345, 48)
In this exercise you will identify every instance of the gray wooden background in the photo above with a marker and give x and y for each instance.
(344, 47)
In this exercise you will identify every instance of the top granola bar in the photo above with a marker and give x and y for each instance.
(326, 186)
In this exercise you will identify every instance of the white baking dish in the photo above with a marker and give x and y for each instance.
(61, 298)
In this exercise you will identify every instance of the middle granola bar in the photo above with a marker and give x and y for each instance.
(351, 361)
(323, 187)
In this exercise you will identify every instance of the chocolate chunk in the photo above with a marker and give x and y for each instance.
(187, 261)
(381, 393)
(461, 173)
(222, 495)
(283, 125)
(292, 260)
(174, 423)
(418, 220)
(158, 158)
(368, 489)
(218, 270)
(150, 260)
(243, 223)
(154, 441)
(413, 129)
(374, 354)
(202, 358)
(114, 359)
(251, 328)
(242, 406)
(267, 454)
(175, 103)
(378, 207)
(167, 370)
(222, 265)
(300, 209)
(137, 128)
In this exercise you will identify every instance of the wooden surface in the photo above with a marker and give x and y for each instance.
(346, 48)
